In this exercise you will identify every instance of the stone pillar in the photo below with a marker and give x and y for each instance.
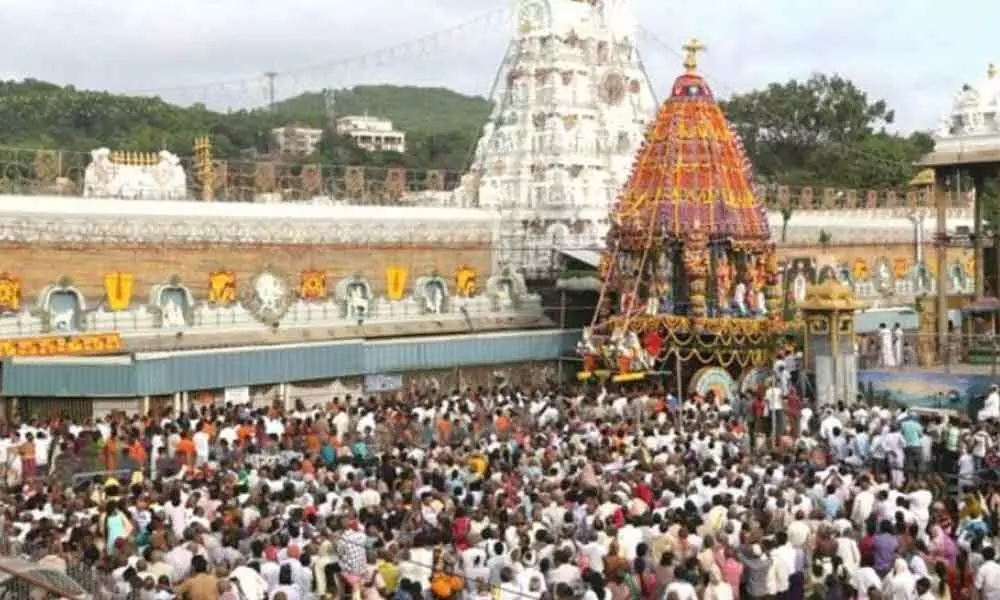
(926, 356)
(828, 311)
(284, 397)
(978, 182)
(941, 204)
(996, 241)
(772, 289)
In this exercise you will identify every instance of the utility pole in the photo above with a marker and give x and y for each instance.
(330, 105)
(271, 77)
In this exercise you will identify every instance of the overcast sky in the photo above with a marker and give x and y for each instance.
(916, 54)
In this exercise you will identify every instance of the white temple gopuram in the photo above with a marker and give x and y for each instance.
(974, 121)
(570, 109)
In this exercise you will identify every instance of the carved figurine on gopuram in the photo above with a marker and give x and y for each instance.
(688, 237)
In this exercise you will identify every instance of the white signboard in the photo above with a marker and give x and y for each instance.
(382, 383)
(237, 395)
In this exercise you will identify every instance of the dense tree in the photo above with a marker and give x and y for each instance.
(36, 114)
(415, 110)
(823, 131)
(441, 125)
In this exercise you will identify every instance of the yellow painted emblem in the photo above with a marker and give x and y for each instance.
(312, 284)
(860, 269)
(900, 266)
(465, 281)
(222, 288)
(10, 293)
(395, 282)
(118, 288)
(970, 265)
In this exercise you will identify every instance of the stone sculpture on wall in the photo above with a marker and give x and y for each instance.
(432, 294)
(266, 298)
(172, 304)
(134, 176)
(60, 306)
(506, 289)
(956, 276)
(356, 294)
(269, 297)
(883, 278)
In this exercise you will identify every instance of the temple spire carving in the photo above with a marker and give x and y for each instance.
(569, 110)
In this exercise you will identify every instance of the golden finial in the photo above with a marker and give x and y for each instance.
(691, 50)
(991, 71)
(205, 169)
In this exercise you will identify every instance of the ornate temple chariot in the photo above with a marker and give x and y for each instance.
(690, 271)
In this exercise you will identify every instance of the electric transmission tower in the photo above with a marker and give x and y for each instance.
(271, 77)
(330, 105)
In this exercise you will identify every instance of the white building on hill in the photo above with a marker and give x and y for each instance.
(372, 133)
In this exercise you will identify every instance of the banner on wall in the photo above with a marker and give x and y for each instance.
(375, 384)
(61, 345)
(237, 395)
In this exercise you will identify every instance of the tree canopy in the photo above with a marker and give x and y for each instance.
(441, 125)
(823, 131)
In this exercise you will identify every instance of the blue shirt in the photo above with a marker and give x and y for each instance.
(360, 450)
(861, 445)
(831, 506)
(327, 453)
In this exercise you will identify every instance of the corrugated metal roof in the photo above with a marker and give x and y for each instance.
(68, 380)
(160, 373)
(484, 349)
(588, 257)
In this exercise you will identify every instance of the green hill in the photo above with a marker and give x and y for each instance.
(442, 125)
(422, 111)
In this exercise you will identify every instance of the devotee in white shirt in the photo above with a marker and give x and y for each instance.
(991, 407)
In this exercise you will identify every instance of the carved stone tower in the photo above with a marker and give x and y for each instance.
(569, 111)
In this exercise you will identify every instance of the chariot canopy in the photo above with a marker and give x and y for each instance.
(689, 264)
